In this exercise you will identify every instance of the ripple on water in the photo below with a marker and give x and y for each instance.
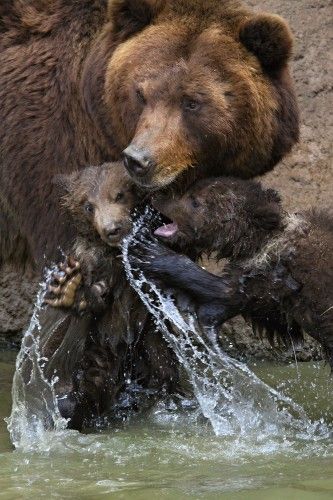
(173, 453)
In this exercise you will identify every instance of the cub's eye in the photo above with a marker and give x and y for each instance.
(89, 208)
(191, 104)
(120, 196)
(140, 96)
(195, 203)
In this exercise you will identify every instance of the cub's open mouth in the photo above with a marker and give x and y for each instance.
(167, 230)
(114, 241)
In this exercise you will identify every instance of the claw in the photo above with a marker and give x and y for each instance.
(51, 302)
(73, 263)
(99, 288)
(68, 293)
(70, 267)
(56, 290)
(60, 278)
(83, 305)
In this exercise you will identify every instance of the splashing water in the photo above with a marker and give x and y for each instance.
(239, 406)
(233, 399)
(34, 401)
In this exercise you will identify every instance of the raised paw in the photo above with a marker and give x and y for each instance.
(66, 294)
(212, 314)
(148, 255)
(64, 284)
(69, 267)
(61, 276)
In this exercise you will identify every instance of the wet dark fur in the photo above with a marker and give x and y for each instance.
(122, 345)
(280, 270)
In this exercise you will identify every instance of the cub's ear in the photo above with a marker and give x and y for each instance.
(64, 182)
(131, 16)
(267, 216)
(272, 196)
(269, 38)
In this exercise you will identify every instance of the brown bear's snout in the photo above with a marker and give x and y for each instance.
(137, 162)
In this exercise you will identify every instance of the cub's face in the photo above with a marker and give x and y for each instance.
(220, 214)
(100, 201)
(108, 207)
(193, 215)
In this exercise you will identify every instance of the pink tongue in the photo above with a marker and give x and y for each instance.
(167, 231)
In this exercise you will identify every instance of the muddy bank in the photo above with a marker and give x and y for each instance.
(304, 179)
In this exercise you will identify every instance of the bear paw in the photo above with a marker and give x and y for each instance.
(64, 286)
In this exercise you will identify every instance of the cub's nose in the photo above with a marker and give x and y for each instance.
(113, 231)
(137, 162)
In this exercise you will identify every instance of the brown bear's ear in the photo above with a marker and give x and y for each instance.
(131, 16)
(269, 38)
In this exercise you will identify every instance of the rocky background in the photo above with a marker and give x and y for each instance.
(304, 179)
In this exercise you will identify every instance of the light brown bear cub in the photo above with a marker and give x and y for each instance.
(113, 339)
(99, 201)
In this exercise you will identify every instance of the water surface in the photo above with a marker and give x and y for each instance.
(173, 453)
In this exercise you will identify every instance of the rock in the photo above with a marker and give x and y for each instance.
(16, 303)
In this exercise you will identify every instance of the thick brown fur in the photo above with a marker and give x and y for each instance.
(179, 83)
(280, 270)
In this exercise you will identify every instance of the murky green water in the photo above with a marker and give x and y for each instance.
(172, 455)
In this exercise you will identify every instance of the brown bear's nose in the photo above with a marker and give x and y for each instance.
(136, 162)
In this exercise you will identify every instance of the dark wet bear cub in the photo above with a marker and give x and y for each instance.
(99, 201)
(280, 269)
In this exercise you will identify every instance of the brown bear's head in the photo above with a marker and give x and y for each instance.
(181, 83)
(99, 201)
(232, 217)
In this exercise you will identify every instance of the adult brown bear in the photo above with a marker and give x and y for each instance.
(174, 83)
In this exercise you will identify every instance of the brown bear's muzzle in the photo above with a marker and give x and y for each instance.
(160, 149)
(138, 163)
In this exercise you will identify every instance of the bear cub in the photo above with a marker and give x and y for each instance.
(279, 273)
(100, 201)
(96, 345)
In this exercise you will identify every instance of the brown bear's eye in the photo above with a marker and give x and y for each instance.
(119, 197)
(191, 104)
(140, 96)
(89, 208)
